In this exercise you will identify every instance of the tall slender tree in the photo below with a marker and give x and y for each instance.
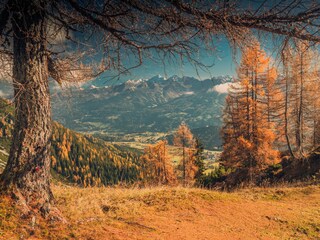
(286, 111)
(184, 139)
(300, 103)
(199, 160)
(248, 133)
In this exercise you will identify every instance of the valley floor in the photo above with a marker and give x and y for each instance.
(175, 213)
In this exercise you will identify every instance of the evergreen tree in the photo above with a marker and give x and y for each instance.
(199, 161)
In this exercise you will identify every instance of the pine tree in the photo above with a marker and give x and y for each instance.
(199, 161)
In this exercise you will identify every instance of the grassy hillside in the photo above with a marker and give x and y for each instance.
(174, 213)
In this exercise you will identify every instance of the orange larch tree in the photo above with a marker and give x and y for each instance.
(302, 103)
(184, 139)
(157, 163)
(247, 132)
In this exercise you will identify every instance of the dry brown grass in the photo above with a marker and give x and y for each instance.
(174, 213)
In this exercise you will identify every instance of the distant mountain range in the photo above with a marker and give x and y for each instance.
(153, 105)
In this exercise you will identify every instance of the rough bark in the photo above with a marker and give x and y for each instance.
(27, 173)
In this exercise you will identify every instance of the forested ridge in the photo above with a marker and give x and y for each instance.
(80, 159)
(90, 161)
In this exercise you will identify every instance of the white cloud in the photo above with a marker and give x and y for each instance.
(222, 88)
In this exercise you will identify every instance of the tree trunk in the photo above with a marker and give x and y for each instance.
(184, 163)
(286, 131)
(27, 173)
(248, 108)
(164, 164)
(300, 112)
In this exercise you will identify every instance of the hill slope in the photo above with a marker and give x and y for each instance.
(174, 213)
(78, 158)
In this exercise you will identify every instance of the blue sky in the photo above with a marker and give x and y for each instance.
(221, 60)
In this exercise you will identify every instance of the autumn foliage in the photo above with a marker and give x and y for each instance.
(157, 164)
(249, 132)
(272, 110)
(184, 139)
(89, 161)
(302, 99)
